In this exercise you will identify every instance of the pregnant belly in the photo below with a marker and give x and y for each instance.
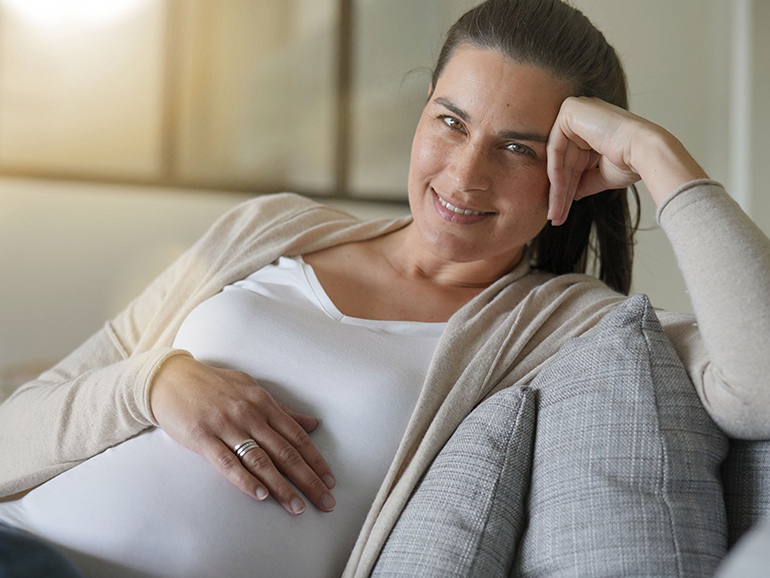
(150, 507)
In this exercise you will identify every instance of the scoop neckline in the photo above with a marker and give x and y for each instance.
(328, 306)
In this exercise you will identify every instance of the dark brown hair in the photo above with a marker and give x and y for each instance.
(558, 38)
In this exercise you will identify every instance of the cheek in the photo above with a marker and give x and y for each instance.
(526, 202)
(427, 155)
(528, 186)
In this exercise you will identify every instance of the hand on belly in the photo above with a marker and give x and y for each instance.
(219, 413)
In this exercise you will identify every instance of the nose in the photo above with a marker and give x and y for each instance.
(469, 168)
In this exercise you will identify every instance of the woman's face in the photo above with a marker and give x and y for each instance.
(478, 186)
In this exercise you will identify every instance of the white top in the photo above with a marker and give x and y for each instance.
(151, 505)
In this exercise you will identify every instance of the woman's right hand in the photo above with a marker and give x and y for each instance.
(594, 146)
(210, 410)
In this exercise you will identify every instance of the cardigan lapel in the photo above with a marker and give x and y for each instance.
(496, 341)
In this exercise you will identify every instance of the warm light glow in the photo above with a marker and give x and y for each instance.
(58, 14)
(81, 85)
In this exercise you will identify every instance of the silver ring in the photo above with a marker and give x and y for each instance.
(245, 447)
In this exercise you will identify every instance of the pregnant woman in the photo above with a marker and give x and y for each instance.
(266, 405)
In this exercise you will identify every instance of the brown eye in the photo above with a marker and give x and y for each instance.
(520, 149)
(451, 122)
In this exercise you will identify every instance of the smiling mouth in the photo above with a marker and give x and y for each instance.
(457, 209)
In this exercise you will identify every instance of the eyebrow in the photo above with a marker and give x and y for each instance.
(506, 134)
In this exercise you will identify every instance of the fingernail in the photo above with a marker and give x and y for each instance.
(297, 506)
(329, 481)
(262, 493)
(328, 502)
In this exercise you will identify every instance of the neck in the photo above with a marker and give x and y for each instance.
(411, 258)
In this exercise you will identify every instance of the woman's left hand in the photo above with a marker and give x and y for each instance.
(594, 146)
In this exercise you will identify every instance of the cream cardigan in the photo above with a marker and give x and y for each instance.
(99, 395)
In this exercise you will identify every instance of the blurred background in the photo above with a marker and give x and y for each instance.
(128, 126)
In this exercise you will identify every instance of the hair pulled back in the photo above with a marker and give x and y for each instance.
(558, 38)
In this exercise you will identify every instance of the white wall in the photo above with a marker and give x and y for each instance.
(72, 255)
(759, 121)
(676, 55)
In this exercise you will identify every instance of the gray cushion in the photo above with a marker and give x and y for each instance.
(465, 517)
(746, 478)
(625, 474)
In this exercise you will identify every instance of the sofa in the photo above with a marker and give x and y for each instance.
(606, 465)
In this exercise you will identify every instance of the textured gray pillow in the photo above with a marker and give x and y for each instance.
(465, 517)
(625, 473)
(746, 479)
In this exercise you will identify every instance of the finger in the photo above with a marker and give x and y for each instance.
(285, 451)
(568, 156)
(274, 428)
(288, 449)
(259, 463)
(556, 150)
(286, 459)
(575, 160)
(231, 468)
(299, 439)
(306, 422)
(574, 164)
(591, 182)
(593, 159)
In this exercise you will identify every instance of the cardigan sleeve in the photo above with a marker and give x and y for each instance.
(93, 399)
(90, 401)
(725, 262)
(98, 396)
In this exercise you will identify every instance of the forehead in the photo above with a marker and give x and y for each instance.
(489, 81)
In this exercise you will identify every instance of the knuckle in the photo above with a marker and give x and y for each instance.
(227, 462)
(289, 456)
(257, 460)
(316, 487)
(199, 432)
(242, 480)
(246, 380)
(241, 410)
(282, 492)
(317, 464)
(261, 396)
(235, 375)
(298, 438)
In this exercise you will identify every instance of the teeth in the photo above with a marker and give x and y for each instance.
(456, 210)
